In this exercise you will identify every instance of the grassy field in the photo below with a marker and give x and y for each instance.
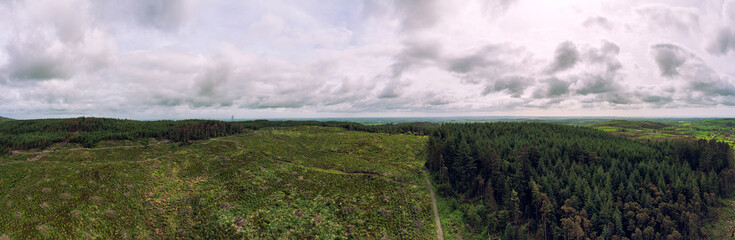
(719, 129)
(282, 183)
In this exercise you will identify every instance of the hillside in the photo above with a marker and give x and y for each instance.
(286, 183)
(3, 119)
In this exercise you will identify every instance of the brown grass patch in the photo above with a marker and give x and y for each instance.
(299, 213)
(4, 237)
(65, 196)
(44, 205)
(109, 213)
(96, 200)
(385, 212)
(240, 222)
(46, 190)
(130, 186)
(294, 173)
(76, 213)
(127, 194)
(278, 180)
(350, 229)
(418, 224)
(288, 185)
(29, 198)
(301, 177)
(264, 188)
(384, 237)
(9, 204)
(43, 229)
(18, 215)
(318, 219)
(348, 208)
(225, 206)
(63, 184)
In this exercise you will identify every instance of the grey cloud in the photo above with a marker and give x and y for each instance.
(167, 15)
(35, 57)
(513, 85)
(391, 90)
(723, 42)
(565, 57)
(669, 58)
(415, 53)
(705, 80)
(598, 21)
(662, 15)
(597, 83)
(684, 66)
(164, 14)
(552, 88)
(418, 14)
(652, 96)
(618, 98)
(495, 55)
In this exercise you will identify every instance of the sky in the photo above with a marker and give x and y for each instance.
(173, 59)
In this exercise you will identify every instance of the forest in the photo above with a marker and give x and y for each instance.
(551, 181)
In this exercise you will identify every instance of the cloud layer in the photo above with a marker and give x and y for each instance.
(193, 58)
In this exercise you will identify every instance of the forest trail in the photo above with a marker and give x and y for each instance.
(439, 232)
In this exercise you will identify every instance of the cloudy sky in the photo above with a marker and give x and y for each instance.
(149, 59)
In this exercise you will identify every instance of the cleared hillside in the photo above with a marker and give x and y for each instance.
(285, 183)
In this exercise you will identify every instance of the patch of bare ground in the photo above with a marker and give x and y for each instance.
(43, 229)
(65, 196)
(109, 213)
(239, 222)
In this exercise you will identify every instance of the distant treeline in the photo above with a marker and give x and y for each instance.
(31, 134)
(550, 181)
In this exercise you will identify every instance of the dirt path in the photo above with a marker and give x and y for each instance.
(44, 153)
(439, 232)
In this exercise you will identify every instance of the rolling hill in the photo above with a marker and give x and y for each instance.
(285, 183)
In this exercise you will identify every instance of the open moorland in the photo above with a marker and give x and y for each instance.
(278, 182)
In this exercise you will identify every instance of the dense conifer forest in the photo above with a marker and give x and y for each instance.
(550, 181)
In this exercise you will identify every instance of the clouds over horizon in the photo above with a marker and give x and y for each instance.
(189, 57)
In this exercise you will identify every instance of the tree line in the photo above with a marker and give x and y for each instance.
(41, 133)
(551, 181)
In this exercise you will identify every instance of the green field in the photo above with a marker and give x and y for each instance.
(278, 183)
(718, 129)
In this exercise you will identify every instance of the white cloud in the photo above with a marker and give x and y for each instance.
(172, 58)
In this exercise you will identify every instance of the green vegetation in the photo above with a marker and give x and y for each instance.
(285, 183)
(4, 119)
(32, 134)
(193, 179)
(718, 129)
(550, 181)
